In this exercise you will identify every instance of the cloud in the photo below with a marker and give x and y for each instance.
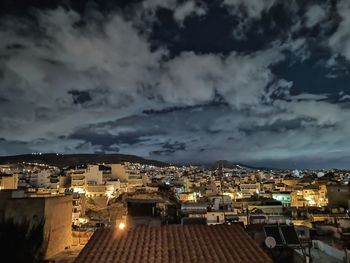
(63, 62)
(340, 40)
(92, 82)
(63, 145)
(155, 4)
(344, 97)
(189, 8)
(314, 15)
(277, 133)
(239, 79)
(181, 9)
(253, 8)
(247, 11)
(314, 97)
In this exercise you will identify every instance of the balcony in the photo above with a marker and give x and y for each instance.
(78, 177)
(78, 183)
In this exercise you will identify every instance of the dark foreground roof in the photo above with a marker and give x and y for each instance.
(173, 243)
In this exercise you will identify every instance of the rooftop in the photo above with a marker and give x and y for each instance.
(173, 243)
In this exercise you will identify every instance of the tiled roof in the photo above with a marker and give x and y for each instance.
(173, 243)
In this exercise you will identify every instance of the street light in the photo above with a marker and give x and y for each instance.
(121, 226)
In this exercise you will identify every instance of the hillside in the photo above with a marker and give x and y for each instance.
(64, 160)
(229, 164)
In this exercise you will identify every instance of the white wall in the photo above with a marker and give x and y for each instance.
(93, 174)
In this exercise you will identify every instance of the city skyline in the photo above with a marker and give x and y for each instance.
(264, 83)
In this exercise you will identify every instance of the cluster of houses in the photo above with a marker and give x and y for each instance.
(308, 200)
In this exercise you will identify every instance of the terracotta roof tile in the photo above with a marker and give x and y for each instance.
(173, 243)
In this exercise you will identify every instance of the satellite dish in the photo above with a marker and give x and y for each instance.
(270, 242)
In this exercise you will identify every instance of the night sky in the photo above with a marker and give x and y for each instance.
(260, 82)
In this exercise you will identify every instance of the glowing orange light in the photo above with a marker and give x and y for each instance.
(121, 226)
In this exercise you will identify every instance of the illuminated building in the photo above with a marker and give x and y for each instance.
(187, 197)
(82, 178)
(78, 180)
(249, 189)
(284, 197)
(96, 190)
(311, 195)
(129, 173)
(78, 210)
(8, 181)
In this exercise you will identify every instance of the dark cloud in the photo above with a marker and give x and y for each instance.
(175, 146)
(3, 100)
(80, 97)
(15, 46)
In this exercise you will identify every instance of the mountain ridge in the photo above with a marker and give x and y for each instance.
(64, 160)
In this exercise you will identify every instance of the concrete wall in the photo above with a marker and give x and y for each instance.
(118, 171)
(338, 195)
(22, 210)
(344, 223)
(215, 218)
(4, 195)
(58, 223)
(57, 213)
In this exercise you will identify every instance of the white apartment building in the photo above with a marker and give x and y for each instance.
(41, 179)
(93, 175)
(249, 189)
(82, 178)
(130, 174)
(78, 180)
